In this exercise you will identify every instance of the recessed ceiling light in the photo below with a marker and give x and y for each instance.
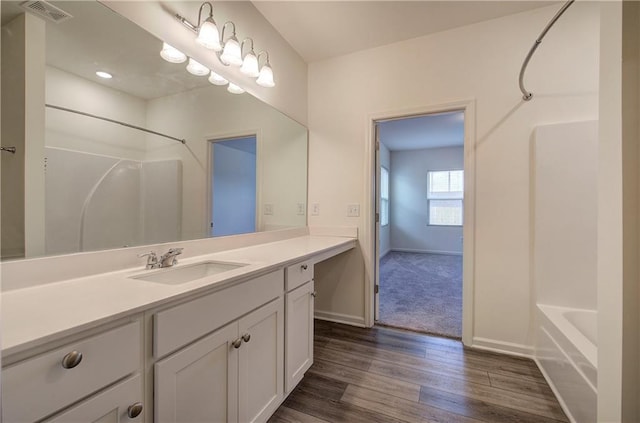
(104, 75)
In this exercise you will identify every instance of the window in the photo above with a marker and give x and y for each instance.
(384, 196)
(445, 196)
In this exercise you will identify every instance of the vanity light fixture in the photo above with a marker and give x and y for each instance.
(172, 54)
(265, 78)
(250, 62)
(196, 68)
(216, 79)
(207, 31)
(208, 34)
(231, 53)
(234, 89)
(105, 75)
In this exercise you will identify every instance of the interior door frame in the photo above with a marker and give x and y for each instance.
(210, 139)
(371, 236)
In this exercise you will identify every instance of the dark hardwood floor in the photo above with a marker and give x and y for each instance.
(386, 375)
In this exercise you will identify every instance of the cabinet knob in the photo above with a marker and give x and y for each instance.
(304, 267)
(246, 337)
(237, 343)
(134, 410)
(72, 359)
(313, 294)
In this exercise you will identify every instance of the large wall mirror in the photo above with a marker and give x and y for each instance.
(79, 183)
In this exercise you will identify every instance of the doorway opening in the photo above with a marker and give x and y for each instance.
(233, 186)
(420, 198)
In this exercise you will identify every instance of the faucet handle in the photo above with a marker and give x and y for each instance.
(175, 251)
(152, 259)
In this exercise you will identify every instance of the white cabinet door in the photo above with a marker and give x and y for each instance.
(299, 336)
(261, 371)
(119, 404)
(199, 383)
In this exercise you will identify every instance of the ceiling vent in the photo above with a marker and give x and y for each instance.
(46, 10)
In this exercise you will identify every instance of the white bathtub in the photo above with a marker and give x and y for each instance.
(567, 354)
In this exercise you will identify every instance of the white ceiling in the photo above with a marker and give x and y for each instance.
(319, 30)
(420, 132)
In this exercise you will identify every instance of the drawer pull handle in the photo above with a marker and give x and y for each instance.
(237, 343)
(246, 337)
(304, 267)
(71, 360)
(313, 294)
(134, 410)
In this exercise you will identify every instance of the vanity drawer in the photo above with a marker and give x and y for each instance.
(189, 321)
(298, 274)
(37, 387)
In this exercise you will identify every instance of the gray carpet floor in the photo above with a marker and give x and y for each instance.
(422, 292)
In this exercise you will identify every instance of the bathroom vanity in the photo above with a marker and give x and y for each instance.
(227, 347)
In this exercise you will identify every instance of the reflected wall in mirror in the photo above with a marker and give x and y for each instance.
(77, 183)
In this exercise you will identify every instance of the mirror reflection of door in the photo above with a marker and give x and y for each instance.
(233, 185)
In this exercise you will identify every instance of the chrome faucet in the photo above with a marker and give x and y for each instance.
(152, 260)
(169, 258)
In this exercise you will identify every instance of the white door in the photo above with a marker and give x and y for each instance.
(261, 372)
(199, 383)
(119, 404)
(299, 337)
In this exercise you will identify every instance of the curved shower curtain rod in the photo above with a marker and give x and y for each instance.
(526, 95)
(128, 125)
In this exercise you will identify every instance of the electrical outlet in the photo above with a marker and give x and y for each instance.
(268, 209)
(315, 209)
(353, 210)
(301, 209)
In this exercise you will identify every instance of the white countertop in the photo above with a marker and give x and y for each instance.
(37, 315)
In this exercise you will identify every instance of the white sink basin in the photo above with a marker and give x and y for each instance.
(188, 273)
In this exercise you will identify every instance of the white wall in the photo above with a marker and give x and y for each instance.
(23, 46)
(610, 212)
(480, 62)
(409, 222)
(13, 103)
(618, 296)
(385, 231)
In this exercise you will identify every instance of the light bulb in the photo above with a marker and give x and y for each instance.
(216, 79)
(103, 74)
(234, 89)
(172, 54)
(208, 35)
(250, 65)
(265, 79)
(196, 68)
(231, 54)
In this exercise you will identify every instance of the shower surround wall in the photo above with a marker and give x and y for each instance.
(105, 202)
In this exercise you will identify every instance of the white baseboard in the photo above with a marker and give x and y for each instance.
(412, 250)
(347, 319)
(501, 347)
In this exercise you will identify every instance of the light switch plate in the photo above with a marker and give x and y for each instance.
(268, 209)
(315, 209)
(301, 209)
(353, 210)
